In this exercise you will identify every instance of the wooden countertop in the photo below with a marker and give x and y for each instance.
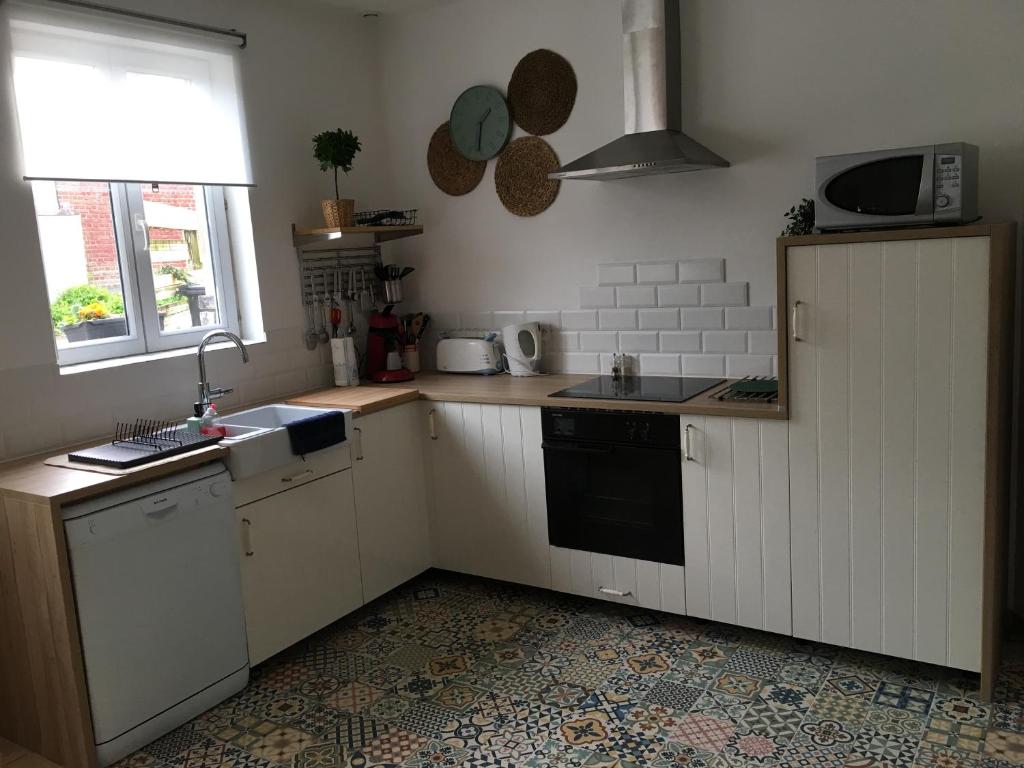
(513, 390)
(32, 480)
(364, 399)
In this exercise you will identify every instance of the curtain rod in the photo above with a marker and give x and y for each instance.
(157, 19)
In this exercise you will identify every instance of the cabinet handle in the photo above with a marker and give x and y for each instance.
(688, 443)
(293, 478)
(433, 426)
(796, 321)
(359, 443)
(614, 592)
(247, 536)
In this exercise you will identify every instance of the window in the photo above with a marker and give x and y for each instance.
(133, 268)
(128, 143)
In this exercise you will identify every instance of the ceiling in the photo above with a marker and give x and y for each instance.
(386, 7)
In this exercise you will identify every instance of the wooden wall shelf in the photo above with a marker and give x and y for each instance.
(303, 236)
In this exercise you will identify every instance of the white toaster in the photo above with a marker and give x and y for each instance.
(468, 356)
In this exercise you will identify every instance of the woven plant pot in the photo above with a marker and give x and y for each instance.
(339, 213)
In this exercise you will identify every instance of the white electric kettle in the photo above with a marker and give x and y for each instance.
(522, 348)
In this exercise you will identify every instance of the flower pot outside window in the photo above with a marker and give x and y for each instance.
(99, 328)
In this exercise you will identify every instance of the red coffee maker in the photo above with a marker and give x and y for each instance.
(382, 340)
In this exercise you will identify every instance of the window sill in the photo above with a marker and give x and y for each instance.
(115, 362)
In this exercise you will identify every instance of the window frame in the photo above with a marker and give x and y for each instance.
(138, 288)
(223, 274)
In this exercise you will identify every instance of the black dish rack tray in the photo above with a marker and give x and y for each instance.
(143, 442)
(386, 217)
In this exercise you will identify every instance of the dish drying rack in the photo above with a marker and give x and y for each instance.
(141, 442)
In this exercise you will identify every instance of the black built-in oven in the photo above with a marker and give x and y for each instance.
(614, 482)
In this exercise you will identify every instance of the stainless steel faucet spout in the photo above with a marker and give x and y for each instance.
(206, 392)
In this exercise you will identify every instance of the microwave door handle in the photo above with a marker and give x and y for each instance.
(926, 192)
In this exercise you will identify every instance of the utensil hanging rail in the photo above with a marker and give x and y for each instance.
(157, 19)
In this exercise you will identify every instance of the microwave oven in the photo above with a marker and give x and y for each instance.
(936, 184)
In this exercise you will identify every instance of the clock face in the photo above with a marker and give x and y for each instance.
(480, 123)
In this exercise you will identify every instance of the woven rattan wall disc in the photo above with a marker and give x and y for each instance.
(542, 92)
(521, 176)
(451, 172)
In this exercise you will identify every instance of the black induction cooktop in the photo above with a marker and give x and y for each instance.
(664, 389)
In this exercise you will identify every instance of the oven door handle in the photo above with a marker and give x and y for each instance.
(577, 447)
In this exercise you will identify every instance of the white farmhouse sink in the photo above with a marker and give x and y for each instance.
(258, 441)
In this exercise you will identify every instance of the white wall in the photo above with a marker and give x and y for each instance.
(307, 68)
(768, 85)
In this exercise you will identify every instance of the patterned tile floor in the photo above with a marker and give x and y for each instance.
(457, 671)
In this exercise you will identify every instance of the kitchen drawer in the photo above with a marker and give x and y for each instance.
(623, 580)
(299, 472)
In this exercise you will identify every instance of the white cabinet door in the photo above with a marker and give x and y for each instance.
(486, 487)
(736, 521)
(391, 503)
(300, 563)
(887, 445)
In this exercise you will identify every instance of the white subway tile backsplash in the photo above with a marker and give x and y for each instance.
(617, 319)
(749, 318)
(580, 362)
(763, 343)
(678, 295)
(725, 341)
(599, 341)
(505, 317)
(579, 320)
(478, 320)
(702, 319)
(659, 365)
(638, 341)
(635, 296)
(658, 319)
(680, 341)
(549, 317)
(656, 272)
(703, 365)
(439, 321)
(594, 297)
(702, 271)
(723, 294)
(616, 274)
(748, 365)
(567, 341)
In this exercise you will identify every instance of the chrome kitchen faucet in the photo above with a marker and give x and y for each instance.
(206, 392)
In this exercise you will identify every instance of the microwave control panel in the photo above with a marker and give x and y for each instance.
(947, 183)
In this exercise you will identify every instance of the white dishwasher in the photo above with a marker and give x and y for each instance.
(158, 588)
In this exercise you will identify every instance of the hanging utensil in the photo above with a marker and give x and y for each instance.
(312, 337)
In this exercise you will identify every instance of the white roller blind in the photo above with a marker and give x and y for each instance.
(105, 106)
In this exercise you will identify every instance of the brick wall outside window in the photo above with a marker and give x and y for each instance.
(91, 201)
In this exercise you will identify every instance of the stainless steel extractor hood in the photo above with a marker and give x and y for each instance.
(654, 142)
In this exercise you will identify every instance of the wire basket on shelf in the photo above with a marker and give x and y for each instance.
(386, 217)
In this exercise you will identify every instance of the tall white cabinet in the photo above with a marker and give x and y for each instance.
(898, 395)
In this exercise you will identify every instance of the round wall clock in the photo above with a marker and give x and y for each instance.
(481, 124)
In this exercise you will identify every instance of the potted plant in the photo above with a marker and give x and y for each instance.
(86, 312)
(336, 149)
